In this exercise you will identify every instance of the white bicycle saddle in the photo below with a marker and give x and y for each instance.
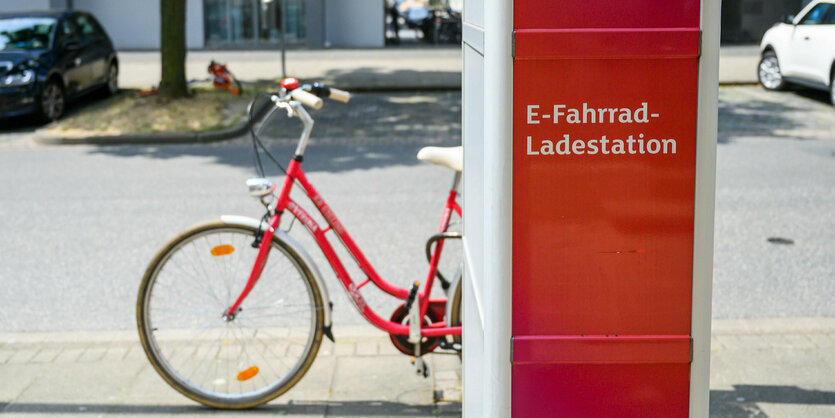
(450, 157)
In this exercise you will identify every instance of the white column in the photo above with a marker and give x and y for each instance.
(704, 208)
(488, 310)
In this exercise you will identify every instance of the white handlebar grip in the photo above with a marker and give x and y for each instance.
(307, 99)
(340, 95)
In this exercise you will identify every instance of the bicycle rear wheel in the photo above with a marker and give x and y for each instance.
(228, 363)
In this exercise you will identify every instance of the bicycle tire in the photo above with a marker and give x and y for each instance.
(455, 315)
(258, 347)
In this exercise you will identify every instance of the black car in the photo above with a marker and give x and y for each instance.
(48, 58)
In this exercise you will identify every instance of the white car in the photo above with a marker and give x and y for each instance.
(801, 50)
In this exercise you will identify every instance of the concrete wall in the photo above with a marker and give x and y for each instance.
(354, 23)
(23, 5)
(136, 25)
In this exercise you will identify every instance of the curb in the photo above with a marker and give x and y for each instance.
(44, 138)
(799, 325)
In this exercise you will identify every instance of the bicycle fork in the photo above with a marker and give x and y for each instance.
(260, 262)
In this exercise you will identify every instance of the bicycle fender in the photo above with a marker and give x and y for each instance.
(302, 253)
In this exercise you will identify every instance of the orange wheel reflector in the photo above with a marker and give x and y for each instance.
(222, 250)
(248, 373)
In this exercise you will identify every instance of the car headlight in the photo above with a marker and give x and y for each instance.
(19, 78)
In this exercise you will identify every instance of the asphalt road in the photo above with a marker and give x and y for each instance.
(79, 224)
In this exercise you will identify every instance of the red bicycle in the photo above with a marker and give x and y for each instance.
(231, 313)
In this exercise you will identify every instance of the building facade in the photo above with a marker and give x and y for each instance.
(223, 24)
(253, 24)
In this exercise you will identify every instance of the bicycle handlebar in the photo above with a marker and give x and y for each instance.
(340, 95)
(322, 90)
(308, 99)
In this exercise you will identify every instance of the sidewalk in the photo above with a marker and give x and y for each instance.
(366, 69)
(759, 368)
(773, 368)
(352, 69)
(107, 374)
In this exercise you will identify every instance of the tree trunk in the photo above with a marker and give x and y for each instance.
(173, 48)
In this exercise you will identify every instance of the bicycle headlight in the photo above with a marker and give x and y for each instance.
(18, 78)
(260, 187)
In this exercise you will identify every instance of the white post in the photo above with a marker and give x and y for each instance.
(704, 209)
(488, 128)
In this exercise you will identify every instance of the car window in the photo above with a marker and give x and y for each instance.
(26, 33)
(829, 19)
(817, 14)
(88, 27)
(68, 31)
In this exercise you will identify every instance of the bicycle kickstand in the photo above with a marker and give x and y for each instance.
(415, 335)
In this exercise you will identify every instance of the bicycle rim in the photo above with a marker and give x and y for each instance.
(223, 362)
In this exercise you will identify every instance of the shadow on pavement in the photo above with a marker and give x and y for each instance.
(742, 400)
(750, 112)
(30, 123)
(816, 95)
(373, 130)
(755, 118)
(331, 408)
(318, 158)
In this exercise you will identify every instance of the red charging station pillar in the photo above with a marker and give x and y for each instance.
(588, 206)
(605, 147)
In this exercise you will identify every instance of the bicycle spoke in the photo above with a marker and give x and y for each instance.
(275, 330)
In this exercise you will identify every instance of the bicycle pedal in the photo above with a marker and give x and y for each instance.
(446, 345)
(420, 366)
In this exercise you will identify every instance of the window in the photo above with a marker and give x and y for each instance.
(817, 14)
(253, 22)
(88, 27)
(830, 18)
(25, 33)
(68, 31)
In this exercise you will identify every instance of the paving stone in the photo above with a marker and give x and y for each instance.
(793, 341)
(47, 355)
(115, 354)
(16, 378)
(385, 347)
(821, 340)
(92, 354)
(5, 355)
(367, 348)
(69, 355)
(136, 353)
(326, 349)
(344, 348)
(22, 356)
(98, 382)
(380, 378)
(748, 342)
(727, 341)
(316, 385)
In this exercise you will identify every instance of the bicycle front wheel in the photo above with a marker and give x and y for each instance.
(223, 362)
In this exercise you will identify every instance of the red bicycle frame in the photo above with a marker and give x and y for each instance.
(284, 202)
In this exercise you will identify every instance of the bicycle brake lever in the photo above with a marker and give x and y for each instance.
(283, 105)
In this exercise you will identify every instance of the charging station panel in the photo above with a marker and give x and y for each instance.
(605, 99)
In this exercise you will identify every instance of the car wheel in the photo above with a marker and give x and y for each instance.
(52, 101)
(832, 89)
(769, 72)
(112, 86)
